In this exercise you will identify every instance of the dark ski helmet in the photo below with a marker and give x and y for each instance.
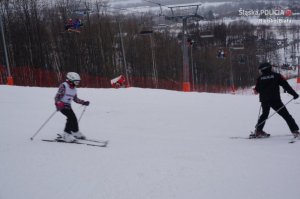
(265, 66)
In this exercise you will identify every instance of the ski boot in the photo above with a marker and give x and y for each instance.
(67, 137)
(296, 134)
(259, 134)
(78, 135)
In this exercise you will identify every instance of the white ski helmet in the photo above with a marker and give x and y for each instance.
(73, 77)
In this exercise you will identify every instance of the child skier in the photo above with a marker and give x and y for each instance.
(77, 24)
(268, 86)
(66, 94)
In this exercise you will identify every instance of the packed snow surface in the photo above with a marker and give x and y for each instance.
(162, 145)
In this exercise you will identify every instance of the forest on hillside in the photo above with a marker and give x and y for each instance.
(110, 44)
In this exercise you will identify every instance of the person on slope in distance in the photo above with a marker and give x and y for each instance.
(77, 24)
(69, 24)
(268, 87)
(66, 94)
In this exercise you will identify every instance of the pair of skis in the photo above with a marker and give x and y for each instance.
(293, 140)
(87, 141)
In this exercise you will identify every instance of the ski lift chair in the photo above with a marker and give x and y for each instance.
(145, 30)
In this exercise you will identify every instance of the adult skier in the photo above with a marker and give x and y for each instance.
(66, 94)
(268, 87)
(69, 24)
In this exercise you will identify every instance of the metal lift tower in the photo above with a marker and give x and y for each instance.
(183, 13)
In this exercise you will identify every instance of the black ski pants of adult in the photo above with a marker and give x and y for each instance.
(283, 112)
(71, 124)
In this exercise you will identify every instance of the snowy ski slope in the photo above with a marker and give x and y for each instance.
(163, 145)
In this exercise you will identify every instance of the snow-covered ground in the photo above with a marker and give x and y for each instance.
(163, 145)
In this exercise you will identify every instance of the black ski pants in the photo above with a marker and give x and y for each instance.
(71, 124)
(283, 112)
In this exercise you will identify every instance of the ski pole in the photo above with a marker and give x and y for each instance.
(259, 112)
(252, 132)
(43, 125)
(82, 114)
(274, 113)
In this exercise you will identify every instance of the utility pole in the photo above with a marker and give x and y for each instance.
(298, 78)
(10, 80)
(192, 63)
(186, 66)
(123, 52)
(154, 69)
(231, 69)
(148, 31)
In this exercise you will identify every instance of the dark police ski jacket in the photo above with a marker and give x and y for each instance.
(268, 86)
